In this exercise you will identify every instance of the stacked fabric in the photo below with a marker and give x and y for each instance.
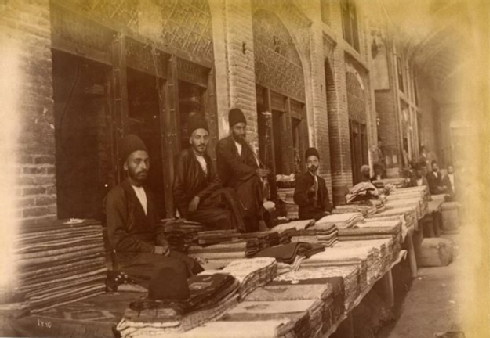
(379, 230)
(210, 297)
(287, 195)
(325, 235)
(285, 181)
(251, 273)
(349, 273)
(181, 234)
(217, 236)
(417, 203)
(379, 204)
(409, 214)
(224, 251)
(60, 263)
(396, 182)
(366, 209)
(294, 226)
(327, 293)
(287, 253)
(341, 221)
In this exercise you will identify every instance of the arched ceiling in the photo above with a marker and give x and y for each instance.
(436, 34)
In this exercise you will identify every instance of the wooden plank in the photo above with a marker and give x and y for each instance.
(170, 144)
(211, 113)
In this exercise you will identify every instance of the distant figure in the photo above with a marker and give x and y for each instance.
(418, 179)
(434, 178)
(364, 190)
(310, 193)
(450, 175)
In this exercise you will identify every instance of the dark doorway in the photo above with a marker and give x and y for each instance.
(83, 131)
(144, 102)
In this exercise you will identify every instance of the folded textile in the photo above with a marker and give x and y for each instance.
(286, 253)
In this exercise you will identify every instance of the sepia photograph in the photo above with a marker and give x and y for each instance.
(245, 168)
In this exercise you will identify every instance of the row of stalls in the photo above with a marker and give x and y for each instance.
(121, 70)
(298, 279)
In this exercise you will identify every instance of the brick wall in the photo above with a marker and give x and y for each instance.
(25, 27)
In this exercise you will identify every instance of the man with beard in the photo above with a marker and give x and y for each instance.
(434, 178)
(134, 229)
(197, 190)
(238, 168)
(310, 193)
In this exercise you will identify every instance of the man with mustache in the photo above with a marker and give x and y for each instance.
(239, 169)
(134, 229)
(310, 193)
(197, 190)
(434, 178)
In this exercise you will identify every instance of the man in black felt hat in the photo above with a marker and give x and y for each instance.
(197, 190)
(134, 228)
(310, 192)
(239, 168)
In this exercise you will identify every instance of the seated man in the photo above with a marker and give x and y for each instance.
(310, 192)
(238, 168)
(363, 190)
(197, 190)
(418, 179)
(434, 179)
(133, 226)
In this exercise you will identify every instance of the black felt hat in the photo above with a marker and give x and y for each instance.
(196, 121)
(169, 280)
(236, 116)
(311, 152)
(129, 144)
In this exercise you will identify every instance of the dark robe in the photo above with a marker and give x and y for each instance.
(239, 173)
(305, 199)
(217, 207)
(133, 234)
(435, 183)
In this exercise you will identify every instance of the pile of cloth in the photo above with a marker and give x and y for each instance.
(361, 192)
(225, 251)
(286, 253)
(418, 203)
(210, 296)
(325, 235)
(388, 219)
(181, 234)
(320, 295)
(251, 273)
(285, 181)
(376, 230)
(60, 263)
(287, 196)
(341, 221)
(398, 182)
(211, 237)
(350, 275)
(379, 204)
(366, 209)
(294, 226)
(409, 214)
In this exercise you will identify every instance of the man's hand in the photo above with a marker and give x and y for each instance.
(263, 172)
(162, 250)
(194, 203)
(312, 188)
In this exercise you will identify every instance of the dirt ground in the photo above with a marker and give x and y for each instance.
(431, 304)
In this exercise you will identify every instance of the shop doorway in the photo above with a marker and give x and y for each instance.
(144, 101)
(80, 95)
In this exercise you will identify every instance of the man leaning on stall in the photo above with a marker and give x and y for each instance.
(134, 228)
(310, 193)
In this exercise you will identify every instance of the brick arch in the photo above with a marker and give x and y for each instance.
(278, 65)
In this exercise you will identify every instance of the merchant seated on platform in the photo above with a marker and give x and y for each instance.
(197, 190)
(134, 228)
(310, 193)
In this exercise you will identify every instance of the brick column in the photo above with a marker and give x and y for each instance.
(316, 78)
(338, 119)
(26, 37)
(234, 60)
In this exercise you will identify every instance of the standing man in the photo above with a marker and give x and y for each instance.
(434, 178)
(238, 168)
(310, 193)
(197, 190)
(133, 225)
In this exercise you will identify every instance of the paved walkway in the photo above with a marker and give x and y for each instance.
(430, 306)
